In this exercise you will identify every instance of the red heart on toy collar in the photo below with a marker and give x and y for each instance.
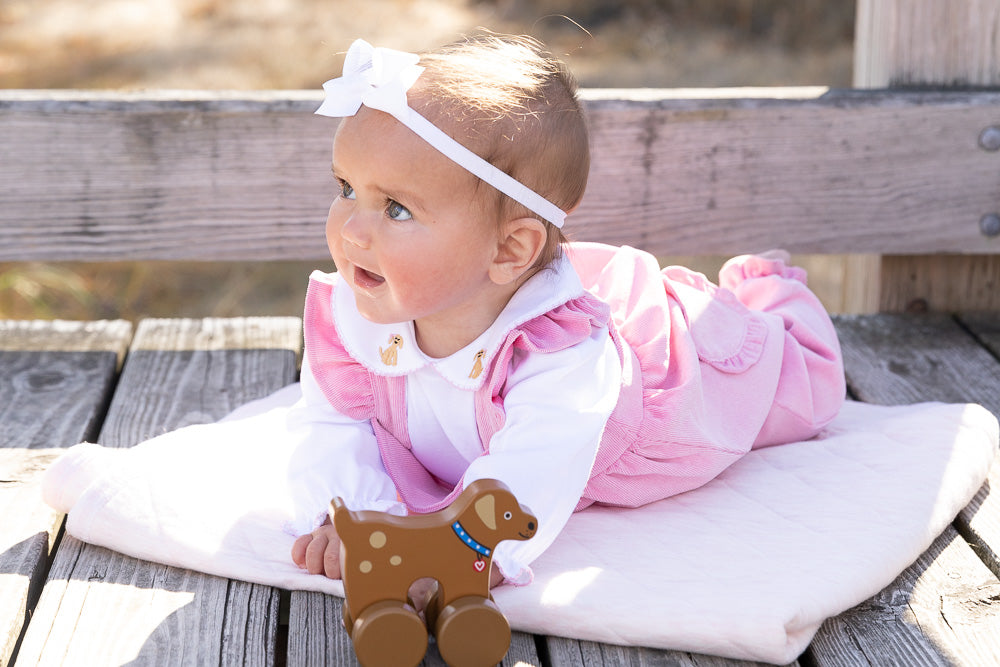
(480, 565)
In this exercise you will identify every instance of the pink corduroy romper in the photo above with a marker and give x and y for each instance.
(709, 373)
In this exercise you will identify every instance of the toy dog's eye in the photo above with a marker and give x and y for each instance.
(507, 516)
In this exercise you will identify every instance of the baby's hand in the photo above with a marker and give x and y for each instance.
(319, 551)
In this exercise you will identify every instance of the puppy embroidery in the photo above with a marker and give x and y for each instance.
(477, 367)
(389, 355)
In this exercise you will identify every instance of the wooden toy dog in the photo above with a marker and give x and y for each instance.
(382, 555)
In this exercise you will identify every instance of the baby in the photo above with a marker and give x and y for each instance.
(463, 338)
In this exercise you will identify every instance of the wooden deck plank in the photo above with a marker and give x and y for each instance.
(316, 635)
(523, 651)
(101, 607)
(571, 653)
(979, 522)
(251, 622)
(811, 171)
(28, 530)
(940, 610)
(904, 358)
(55, 380)
(985, 325)
(66, 335)
(895, 359)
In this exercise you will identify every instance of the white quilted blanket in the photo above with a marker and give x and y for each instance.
(748, 566)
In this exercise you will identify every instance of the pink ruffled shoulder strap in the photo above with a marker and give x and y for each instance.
(345, 383)
(558, 329)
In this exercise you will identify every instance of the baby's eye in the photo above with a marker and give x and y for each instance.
(346, 191)
(397, 211)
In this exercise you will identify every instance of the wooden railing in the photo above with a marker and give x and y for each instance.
(210, 176)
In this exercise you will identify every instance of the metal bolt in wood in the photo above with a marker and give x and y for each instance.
(989, 139)
(989, 225)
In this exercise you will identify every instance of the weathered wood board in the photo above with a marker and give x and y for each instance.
(945, 45)
(28, 531)
(895, 359)
(917, 283)
(103, 176)
(571, 653)
(100, 607)
(979, 522)
(902, 43)
(985, 326)
(55, 381)
(941, 611)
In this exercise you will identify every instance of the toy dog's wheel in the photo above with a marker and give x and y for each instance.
(433, 609)
(345, 613)
(471, 631)
(387, 634)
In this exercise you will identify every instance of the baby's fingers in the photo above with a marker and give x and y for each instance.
(315, 553)
(331, 559)
(299, 549)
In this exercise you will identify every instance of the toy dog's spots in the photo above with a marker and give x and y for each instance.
(454, 547)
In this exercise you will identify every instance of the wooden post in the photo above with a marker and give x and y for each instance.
(930, 43)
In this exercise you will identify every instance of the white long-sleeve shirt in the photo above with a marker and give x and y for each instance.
(556, 406)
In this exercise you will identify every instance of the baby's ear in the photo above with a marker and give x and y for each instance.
(520, 244)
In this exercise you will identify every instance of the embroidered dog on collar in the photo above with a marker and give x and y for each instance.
(381, 555)
(477, 366)
(390, 354)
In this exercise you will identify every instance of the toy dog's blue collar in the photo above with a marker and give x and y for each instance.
(469, 541)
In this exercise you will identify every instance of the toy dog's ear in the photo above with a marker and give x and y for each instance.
(485, 507)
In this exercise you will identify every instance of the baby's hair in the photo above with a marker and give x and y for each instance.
(511, 102)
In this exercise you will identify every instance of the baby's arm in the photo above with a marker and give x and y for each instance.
(340, 458)
(557, 406)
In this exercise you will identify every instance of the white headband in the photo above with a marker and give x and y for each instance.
(379, 79)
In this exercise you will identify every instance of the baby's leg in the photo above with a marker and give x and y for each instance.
(811, 387)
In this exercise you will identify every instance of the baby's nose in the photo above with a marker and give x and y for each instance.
(356, 231)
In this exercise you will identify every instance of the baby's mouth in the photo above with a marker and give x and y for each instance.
(366, 279)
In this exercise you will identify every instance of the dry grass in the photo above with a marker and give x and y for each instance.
(210, 44)
(288, 44)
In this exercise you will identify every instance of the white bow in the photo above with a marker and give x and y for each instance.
(375, 77)
(379, 78)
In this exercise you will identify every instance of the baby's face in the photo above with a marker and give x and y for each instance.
(406, 230)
